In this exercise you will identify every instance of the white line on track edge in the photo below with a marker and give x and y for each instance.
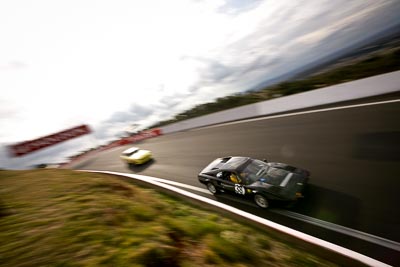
(341, 229)
(324, 224)
(305, 237)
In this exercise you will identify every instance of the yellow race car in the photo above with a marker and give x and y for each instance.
(136, 156)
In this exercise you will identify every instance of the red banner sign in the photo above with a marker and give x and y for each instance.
(27, 147)
(142, 135)
(135, 138)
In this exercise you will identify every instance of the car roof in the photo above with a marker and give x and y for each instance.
(227, 163)
(130, 150)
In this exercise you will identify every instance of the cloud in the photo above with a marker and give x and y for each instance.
(209, 70)
(235, 7)
(170, 101)
(216, 71)
(138, 63)
(289, 36)
(119, 122)
(303, 33)
(13, 65)
(135, 112)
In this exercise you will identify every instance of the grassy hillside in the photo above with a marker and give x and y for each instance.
(67, 218)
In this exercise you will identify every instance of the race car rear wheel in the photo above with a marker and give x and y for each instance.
(261, 201)
(212, 188)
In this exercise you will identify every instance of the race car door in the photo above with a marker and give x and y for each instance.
(232, 182)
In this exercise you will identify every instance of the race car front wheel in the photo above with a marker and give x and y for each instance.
(212, 188)
(261, 201)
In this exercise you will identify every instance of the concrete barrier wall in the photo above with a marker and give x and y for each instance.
(372, 86)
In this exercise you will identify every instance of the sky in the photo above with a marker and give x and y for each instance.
(113, 64)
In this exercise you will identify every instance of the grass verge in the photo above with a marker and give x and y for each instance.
(67, 218)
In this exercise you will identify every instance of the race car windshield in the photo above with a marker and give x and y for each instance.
(130, 153)
(251, 171)
(259, 171)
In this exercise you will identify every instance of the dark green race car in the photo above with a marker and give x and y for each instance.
(263, 181)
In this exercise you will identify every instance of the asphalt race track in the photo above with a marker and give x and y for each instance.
(353, 155)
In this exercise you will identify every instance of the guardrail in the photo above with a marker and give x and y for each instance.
(372, 86)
